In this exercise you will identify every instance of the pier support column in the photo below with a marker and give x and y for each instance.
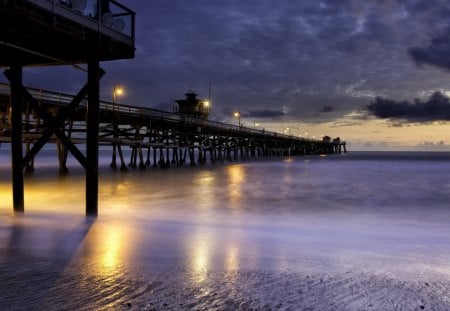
(123, 166)
(167, 158)
(92, 132)
(175, 156)
(142, 165)
(113, 164)
(154, 157)
(16, 139)
(147, 162)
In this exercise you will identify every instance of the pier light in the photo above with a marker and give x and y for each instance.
(206, 103)
(237, 114)
(117, 91)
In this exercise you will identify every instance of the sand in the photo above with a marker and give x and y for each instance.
(62, 262)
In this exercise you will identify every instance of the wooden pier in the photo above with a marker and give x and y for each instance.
(157, 138)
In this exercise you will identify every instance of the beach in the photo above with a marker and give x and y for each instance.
(361, 231)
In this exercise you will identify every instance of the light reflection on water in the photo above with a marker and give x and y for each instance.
(204, 189)
(109, 249)
(235, 185)
(200, 253)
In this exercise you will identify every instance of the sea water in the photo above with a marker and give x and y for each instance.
(343, 232)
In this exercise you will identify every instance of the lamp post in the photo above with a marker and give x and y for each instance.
(255, 124)
(117, 91)
(206, 108)
(237, 114)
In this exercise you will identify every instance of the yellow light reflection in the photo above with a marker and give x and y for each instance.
(45, 196)
(231, 262)
(112, 246)
(199, 254)
(205, 182)
(201, 262)
(6, 195)
(108, 248)
(236, 178)
(117, 194)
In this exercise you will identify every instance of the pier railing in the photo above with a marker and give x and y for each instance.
(116, 20)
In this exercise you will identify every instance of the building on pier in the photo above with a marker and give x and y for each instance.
(192, 107)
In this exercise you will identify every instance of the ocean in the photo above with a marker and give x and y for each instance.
(356, 231)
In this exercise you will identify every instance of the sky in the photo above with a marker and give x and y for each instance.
(375, 73)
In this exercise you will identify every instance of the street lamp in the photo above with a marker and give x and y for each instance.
(255, 124)
(117, 91)
(237, 114)
(205, 108)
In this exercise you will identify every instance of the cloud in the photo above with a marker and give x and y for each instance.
(437, 53)
(328, 108)
(432, 146)
(264, 113)
(436, 108)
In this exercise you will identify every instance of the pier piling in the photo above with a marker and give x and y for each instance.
(92, 131)
(15, 76)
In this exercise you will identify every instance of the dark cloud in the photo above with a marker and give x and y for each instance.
(437, 108)
(328, 108)
(437, 53)
(265, 113)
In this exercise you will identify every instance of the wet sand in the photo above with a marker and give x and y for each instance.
(64, 262)
(225, 239)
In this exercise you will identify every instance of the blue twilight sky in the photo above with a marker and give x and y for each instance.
(314, 66)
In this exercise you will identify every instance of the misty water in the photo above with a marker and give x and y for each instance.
(343, 232)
